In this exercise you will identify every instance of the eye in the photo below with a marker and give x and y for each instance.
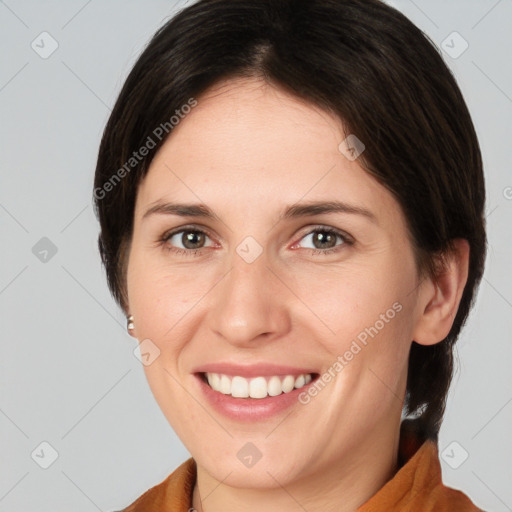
(192, 240)
(323, 240)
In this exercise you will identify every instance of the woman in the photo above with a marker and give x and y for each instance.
(291, 202)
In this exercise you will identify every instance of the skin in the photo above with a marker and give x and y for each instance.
(248, 150)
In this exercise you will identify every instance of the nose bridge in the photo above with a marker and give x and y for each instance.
(248, 302)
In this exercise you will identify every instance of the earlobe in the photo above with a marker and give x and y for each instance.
(440, 300)
(130, 325)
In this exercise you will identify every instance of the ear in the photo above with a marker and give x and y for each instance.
(439, 296)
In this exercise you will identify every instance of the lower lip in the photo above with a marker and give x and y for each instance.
(251, 409)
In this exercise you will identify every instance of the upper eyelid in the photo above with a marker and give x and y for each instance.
(175, 231)
(321, 227)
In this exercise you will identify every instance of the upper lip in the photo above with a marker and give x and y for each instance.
(252, 370)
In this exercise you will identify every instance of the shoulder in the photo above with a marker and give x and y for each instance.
(173, 493)
(418, 485)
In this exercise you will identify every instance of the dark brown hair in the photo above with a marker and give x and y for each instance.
(359, 59)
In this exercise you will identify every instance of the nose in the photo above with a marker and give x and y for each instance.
(250, 304)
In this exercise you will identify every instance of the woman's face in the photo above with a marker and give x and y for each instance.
(261, 287)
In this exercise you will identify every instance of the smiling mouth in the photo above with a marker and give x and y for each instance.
(256, 387)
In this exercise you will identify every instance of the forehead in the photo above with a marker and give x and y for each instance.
(248, 146)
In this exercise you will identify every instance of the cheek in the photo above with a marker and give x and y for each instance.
(374, 356)
(346, 301)
(160, 298)
(354, 300)
(364, 319)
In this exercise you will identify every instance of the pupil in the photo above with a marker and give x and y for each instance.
(190, 238)
(324, 236)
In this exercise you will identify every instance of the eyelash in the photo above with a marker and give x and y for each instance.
(195, 252)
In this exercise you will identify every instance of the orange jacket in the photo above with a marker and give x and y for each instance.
(416, 486)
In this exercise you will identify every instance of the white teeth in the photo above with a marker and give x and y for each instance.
(301, 380)
(239, 387)
(288, 383)
(274, 386)
(257, 387)
(225, 385)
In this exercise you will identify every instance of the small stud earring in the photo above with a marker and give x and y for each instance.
(129, 323)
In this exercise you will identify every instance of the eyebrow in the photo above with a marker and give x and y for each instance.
(290, 212)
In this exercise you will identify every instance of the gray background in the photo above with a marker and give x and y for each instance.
(68, 375)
